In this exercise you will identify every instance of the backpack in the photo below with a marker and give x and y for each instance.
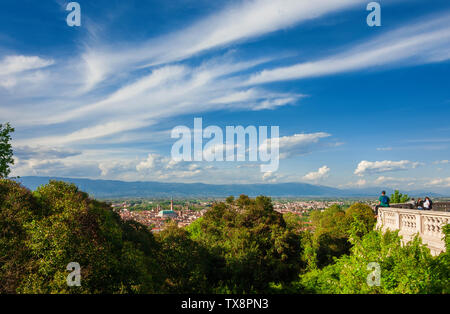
(385, 200)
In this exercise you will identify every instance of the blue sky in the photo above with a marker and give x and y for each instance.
(357, 106)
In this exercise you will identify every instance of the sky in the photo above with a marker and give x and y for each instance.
(356, 106)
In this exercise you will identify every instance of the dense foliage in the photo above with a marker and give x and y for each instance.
(398, 197)
(333, 227)
(6, 152)
(252, 243)
(403, 268)
(406, 268)
(239, 246)
(57, 225)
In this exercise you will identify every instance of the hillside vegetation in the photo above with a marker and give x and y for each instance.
(239, 246)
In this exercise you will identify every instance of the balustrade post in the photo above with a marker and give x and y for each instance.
(397, 220)
(419, 218)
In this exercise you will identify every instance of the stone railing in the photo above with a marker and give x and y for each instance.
(437, 206)
(409, 222)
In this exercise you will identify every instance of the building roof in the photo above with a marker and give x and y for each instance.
(165, 212)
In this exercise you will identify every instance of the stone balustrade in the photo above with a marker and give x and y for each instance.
(437, 206)
(409, 222)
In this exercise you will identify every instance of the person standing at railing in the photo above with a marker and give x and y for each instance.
(384, 202)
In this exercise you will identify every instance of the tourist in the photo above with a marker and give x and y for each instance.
(428, 204)
(384, 202)
(419, 204)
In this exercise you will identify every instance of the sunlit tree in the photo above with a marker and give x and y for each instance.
(6, 152)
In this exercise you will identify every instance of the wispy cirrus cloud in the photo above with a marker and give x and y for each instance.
(173, 90)
(425, 42)
(237, 22)
(301, 144)
(17, 64)
(40, 152)
(166, 92)
(18, 69)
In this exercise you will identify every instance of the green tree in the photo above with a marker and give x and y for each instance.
(252, 245)
(115, 256)
(333, 228)
(329, 239)
(293, 222)
(195, 229)
(230, 199)
(186, 265)
(6, 152)
(398, 197)
(17, 208)
(360, 220)
(404, 269)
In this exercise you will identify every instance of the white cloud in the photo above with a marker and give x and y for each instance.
(272, 177)
(391, 180)
(260, 99)
(369, 167)
(443, 182)
(147, 164)
(275, 103)
(442, 162)
(381, 180)
(21, 70)
(16, 64)
(113, 168)
(317, 175)
(171, 90)
(425, 42)
(361, 182)
(50, 161)
(358, 184)
(166, 92)
(237, 22)
(88, 133)
(42, 152)
(164, 168)
(55, 167)
(300, 144)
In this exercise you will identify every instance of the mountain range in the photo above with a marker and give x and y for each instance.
(108, 189)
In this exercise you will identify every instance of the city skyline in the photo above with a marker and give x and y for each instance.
(356, 106)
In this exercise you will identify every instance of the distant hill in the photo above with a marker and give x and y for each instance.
(122, 189)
